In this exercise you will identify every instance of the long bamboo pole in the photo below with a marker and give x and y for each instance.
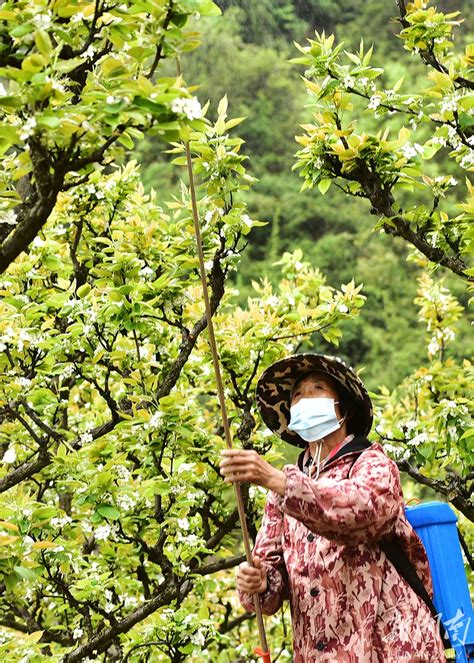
(263, 651)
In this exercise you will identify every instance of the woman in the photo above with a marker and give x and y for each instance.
(319, 543)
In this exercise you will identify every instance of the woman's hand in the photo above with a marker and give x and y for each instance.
(252, 579)
(242, 465)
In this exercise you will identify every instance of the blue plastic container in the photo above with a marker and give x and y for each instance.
(435, 524)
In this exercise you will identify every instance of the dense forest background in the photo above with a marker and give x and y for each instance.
(245, 56)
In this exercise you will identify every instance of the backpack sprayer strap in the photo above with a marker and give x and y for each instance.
(397, 556)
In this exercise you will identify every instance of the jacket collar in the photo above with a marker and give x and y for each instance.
(357, 444)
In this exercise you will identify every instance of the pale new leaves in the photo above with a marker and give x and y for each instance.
(381, 166)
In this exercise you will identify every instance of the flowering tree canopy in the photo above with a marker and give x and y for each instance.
(114, 519)
(80, 85)
(412, 171)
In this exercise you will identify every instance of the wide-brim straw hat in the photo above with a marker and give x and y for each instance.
(276, 383)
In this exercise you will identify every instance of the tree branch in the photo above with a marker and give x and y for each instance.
(214, 567)
(48, 636)
(168, 592)
(450, 488)
(159, 49)
(382, 200)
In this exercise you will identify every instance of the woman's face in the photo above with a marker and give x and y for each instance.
(316, 385)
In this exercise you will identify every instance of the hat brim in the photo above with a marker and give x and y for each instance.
(276, 384)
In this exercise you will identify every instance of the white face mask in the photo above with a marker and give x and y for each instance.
(314, 418)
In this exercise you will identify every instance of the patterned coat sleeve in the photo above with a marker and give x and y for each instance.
(362, 508)
(268, 546)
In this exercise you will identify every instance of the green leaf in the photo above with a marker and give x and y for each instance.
(33, 63)
(10, 102)
(108, 511)
(21, 30)
(324, 185)
(43, 42)
(11, 580)
(83, 290)
(49, 121)
(203, 7)
(222, 107)
(44, 513)
(23, 572)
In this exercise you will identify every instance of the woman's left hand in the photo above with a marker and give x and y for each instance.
(242, 465)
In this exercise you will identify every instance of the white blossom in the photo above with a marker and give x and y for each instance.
(59, 87)
(374, 102)
(28, 542)
(154, 422)
(77, 17)
(146, 271)
(191, 108)
(123, 472)
(9, 456)
(449, 103)
(60, 521)
(190, 539)
(86, 438)
(129, 601)
(77, 633)
(38, 243)
(198, 638)
(246, 220)
(42, 21)
(342, 308)
(3, 91)
(419, 439)
(102, 532)
(449, 405)
(409, 151)
(410, 425)
(125, 502)
(433, 347)
(272, 301)
(23, 382)
(183, 523)
(467, 160)
(8, 218)
(28, 128)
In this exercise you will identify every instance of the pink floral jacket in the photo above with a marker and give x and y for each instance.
(319, 544)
